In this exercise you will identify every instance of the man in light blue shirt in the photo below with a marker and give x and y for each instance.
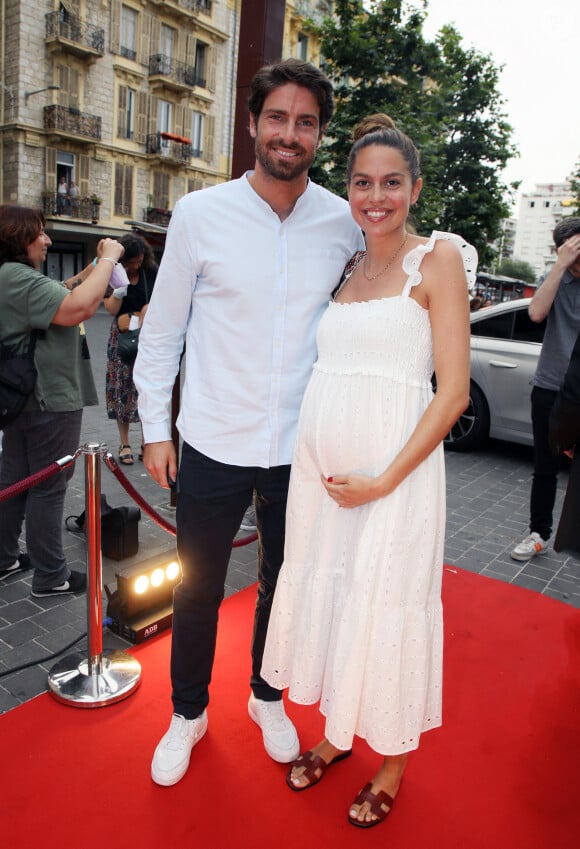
(247, 271)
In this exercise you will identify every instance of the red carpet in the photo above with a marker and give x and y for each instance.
(502, 773)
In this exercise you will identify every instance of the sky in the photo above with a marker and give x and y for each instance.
(538, 43)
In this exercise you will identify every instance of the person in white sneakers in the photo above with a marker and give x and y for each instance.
(558, 299)
(247, 271)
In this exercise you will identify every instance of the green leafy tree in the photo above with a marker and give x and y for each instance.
(518, 268)
(445, 97)
(575, 183)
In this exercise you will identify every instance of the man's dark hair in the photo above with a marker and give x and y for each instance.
(564, 229)
(304, 74)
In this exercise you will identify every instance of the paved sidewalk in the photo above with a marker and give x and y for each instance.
(488, 494)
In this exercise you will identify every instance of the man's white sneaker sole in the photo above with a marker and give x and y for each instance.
(171, 757)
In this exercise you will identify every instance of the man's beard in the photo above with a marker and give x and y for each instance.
(280, 169)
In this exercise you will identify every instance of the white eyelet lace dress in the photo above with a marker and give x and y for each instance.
(357, 617)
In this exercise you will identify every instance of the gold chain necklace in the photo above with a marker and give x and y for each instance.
(388, 265)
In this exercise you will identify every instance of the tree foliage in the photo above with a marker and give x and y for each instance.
(575, 183)
(443, 95)
(518, 268)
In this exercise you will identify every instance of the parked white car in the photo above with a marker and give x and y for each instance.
(505, 346)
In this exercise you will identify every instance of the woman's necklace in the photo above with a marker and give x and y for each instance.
(390, 262)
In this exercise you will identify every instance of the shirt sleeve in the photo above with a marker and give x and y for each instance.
(164, 328)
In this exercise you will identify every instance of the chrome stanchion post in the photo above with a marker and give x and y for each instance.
(96, 680)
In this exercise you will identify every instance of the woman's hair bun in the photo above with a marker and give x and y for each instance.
(373, 124)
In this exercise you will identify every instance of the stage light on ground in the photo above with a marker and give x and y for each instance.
(172, 571)
(157, 577)
(142, 604)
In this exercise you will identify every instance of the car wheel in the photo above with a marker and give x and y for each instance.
(472, 427)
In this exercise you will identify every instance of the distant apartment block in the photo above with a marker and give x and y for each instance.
(539, 212)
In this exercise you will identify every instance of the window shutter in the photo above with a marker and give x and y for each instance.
(190, 50)
(118, 188)
(122, 112)
(211, 83)
(128, 190)
(208, 145)
(178, 121)
(145, 49)
(154, 39)
(115, 28)
(83, 176)
(153, 106)
(50, 169)
(74, 88)
(141, 129)
(63, 94)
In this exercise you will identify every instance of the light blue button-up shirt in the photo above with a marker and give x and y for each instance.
(246, 291)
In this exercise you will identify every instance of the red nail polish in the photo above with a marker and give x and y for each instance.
(330, 479)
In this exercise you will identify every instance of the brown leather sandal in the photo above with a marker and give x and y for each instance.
(314, 768)
(125, 458)
(376, 802)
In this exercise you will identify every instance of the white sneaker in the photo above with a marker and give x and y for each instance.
(280, 737)
(173, 751)
(249, 521)
(530, 546)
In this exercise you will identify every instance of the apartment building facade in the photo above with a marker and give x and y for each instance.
(539, 212)
(126, 103)
(111, 110)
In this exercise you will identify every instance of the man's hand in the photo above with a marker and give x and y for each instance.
(569, 251)
(160, 461)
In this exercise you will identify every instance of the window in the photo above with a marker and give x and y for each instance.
(126, 112)
(163, 116)
(196, 134)
(302, 47)
(532, 204)
(128, 46)
(123, 189)
(130, 113)
(201, 50)
(514, 324)
(166, 41)
(164, 124)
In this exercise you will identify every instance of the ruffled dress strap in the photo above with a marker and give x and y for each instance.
(412, 261)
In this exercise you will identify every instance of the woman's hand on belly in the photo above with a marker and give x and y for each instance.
(352, 490)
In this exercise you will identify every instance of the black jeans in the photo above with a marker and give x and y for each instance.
(546, 464)
(211, 502)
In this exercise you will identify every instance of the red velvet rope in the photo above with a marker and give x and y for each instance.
(36, 478)
(151, 512)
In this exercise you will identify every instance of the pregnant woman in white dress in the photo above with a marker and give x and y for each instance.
(356, 623)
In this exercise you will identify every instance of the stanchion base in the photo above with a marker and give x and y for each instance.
(70, 681)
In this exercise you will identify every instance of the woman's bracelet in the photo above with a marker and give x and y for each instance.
(108, 258)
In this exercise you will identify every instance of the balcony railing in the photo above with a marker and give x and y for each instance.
(173, 71)
(170, 146)
(71, 28)
(82, 208)
(153, 215)
(71, 121)
(203, 6)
